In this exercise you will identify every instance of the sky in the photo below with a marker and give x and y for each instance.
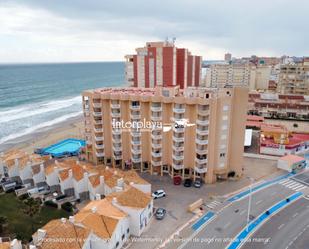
(106, 30)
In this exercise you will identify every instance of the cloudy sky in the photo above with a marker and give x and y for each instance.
(106, 30)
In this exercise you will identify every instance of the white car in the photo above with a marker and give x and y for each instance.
(158, 194)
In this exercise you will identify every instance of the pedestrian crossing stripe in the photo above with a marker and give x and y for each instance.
(289, 183)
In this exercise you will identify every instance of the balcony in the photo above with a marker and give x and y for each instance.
(135, 107)
(115, 114)
(87, 113)
(201, 141)
(136, 134)
(117, 147)
(156, 154)
(178, 157)
(117, 157)
(156, 136)
(136, 151)
(115, 106)
(136, 160)
(203, 112)
(177, 166)
(116, 131)
(89, 142)
(156, 146)
(157, 128)
(201, 161)
(156, 163)
(156, 108)
(156, 118)
(99, 154)
(179, 110)
(97, 114)
(136, 116)
(201, 151)
(136, 142)
(178, 148)
(98, 130)
(178, 139)
(200, 170)
(202, 132)
(99, 146)
(96, 104)
(98, 122)
(99, 138)
(202, 122)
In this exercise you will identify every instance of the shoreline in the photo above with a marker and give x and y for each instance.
(72, 127)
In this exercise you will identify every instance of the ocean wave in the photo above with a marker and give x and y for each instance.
(37, 109)
(39, 126)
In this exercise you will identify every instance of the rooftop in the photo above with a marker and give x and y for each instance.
(291, 159)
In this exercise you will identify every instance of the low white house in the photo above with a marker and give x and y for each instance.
(137, 204)
(291, 163)
(38, 173)
(66, 181)
(14, 244)
(95, 186)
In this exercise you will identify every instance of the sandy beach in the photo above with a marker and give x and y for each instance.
(71, 128)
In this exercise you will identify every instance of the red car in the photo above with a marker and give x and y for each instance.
(177, 180)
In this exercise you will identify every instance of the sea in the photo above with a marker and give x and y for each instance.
(39, 96)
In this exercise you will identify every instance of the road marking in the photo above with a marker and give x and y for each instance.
(292, 241)
(291, 184)
(279, 227)
(294, 215)
(258, 202)
(242, 212)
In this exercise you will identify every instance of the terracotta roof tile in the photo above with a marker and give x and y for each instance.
(5, 245)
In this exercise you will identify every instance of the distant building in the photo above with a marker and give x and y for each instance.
(294, 78)
(228, 57)
(163, 64)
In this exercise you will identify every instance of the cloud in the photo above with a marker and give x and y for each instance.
(78, 30)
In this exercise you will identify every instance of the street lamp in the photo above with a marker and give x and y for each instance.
(250, 200)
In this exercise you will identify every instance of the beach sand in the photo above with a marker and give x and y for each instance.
(72, 128)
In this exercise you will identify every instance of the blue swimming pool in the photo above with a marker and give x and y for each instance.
(67, 147)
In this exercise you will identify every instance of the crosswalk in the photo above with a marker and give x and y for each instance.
(213, 204)
(291, 184)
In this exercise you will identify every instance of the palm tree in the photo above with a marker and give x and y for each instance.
(3, 221)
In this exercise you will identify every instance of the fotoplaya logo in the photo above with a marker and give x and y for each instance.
(145, 125)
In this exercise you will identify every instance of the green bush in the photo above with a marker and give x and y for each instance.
(51, 204)
(23, 197)
(67, 206)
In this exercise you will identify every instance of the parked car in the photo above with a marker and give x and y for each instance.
(160, 213)
(187, 183)
(197, 183)
(158, 194)
(177, 180)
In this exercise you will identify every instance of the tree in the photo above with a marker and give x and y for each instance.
(3, 221)
(32, 207)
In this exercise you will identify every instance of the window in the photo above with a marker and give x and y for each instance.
(225, 108)
(128, 230)
(222, 155)
(122, 237)
(117, 244)
(149, 203)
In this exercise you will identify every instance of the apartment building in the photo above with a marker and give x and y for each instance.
(294, 78)
(279, 106)
(239, 74)
(196, 132)
(163, 64)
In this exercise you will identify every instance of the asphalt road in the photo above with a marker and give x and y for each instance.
(232, 219)
(288, 229)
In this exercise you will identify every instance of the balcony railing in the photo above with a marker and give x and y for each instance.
(177, 166)
(178, 139)
(156, 108)
(99, 146)
(97, 114)
(136, 134)
(98, 130)
(178, 129)
(136, 151)
(178, 148)
(89, 142)
(200, 170)
(156, 136)
(201, 161)
(202, 132)
(98, 122)
(179, 110)
(156, 163)
(156, 118)
(136, 142)
(115, 114)
(201, 141)
(155, 154)
(203, 112)
(115, 106)
(136, 160)
(117, 157)
(156, 146)
(202, 122)
(99, 138)
(201, 151)
(135, 116)
(116, 131)
(178, 157)
(100, 154)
